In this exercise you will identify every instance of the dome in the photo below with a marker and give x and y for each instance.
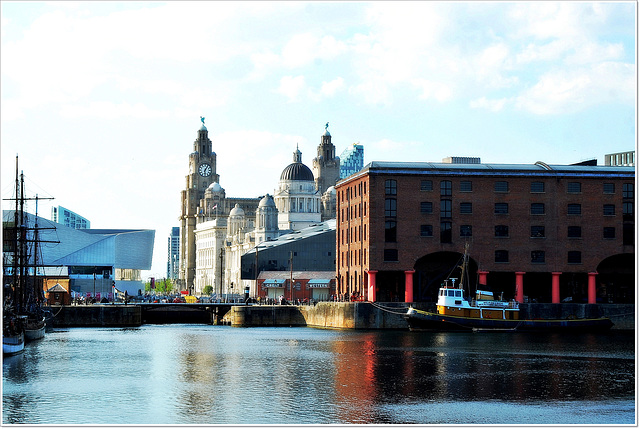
(215, 187)
(236, 211)
(330, 190)
(326, 133)
(267, 201)
(297, 171)
(203, 128)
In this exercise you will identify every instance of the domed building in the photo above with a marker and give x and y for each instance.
(297, 199)
(217, 230)
(266, 220)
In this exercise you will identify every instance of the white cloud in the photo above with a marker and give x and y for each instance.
(110, 111)
(330, 89)
(568, 91)
(270, 154)
(292, 86)
(440, 91)
(491, 105)
(304, 49)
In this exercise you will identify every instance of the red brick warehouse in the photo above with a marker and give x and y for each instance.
(539, 232)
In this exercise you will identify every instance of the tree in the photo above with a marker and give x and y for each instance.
(207, 290)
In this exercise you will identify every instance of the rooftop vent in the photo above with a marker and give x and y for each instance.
(461, 160)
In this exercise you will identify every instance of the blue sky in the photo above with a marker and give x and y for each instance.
(102, 100)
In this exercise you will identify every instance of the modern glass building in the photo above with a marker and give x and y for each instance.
(173, 252)
(93, 259)
(68, 218)
(351, 160)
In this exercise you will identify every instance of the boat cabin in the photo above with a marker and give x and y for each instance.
(451, 301)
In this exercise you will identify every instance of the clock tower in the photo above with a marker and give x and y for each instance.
(202, 172)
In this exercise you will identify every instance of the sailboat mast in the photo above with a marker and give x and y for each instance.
(16, 241)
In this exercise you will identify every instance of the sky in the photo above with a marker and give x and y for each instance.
(102, 101)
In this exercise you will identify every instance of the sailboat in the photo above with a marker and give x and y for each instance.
(23, 298)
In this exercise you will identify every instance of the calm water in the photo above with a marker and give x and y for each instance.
(198, 374)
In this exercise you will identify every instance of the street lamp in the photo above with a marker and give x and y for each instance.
(221, 282)
(291, 274)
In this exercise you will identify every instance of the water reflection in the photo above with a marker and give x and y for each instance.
(173, 374)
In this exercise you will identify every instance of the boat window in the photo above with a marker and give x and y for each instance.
(451, 293)
(458, 293)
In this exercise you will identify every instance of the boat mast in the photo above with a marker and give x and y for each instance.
(465, 258)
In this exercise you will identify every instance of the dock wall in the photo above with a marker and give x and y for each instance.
(365, 315)
(96, 315)
(333, 315)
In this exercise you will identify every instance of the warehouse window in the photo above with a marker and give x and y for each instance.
(574, 209)
(574, 187)
(537, 208)
(537, 231)
(501, 256)
(426, 230)
(574, 257)
(445, 232)
(501, 186)
(465, 186)
(465, 230)
(537, 187)
(390, 231)
(609, 232)
(390, 255)
(445, 208)
(609, 188)
(426, 185)
(501, 208)
(502, 231)
(465, 208)
(627, 190)
(445, 188)
(390, 187)
(574, 231)
(537, 257)
(390, 209)
(426, 207)
(609, 210)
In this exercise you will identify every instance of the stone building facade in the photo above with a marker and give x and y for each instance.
(217, 230)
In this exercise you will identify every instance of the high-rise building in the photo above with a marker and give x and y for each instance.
(351, 160)
(68, 218)
(173, 253)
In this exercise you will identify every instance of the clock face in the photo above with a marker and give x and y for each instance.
(204, 170)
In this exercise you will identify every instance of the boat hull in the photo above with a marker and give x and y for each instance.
(12, 344)
(31, 334)
(424, 320)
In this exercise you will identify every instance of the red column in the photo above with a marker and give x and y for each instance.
(408, 285)
(482, 277)
(520, 286)
(372, 286)
(592, 287)
(555, 287)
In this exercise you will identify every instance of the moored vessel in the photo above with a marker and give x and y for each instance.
(484, 313)
(12, 334)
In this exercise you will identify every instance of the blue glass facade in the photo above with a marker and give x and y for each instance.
(351, 160)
